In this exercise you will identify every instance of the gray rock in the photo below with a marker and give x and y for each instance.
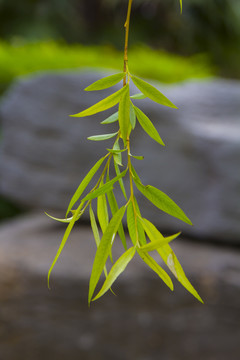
(144, 321)
(45, 154)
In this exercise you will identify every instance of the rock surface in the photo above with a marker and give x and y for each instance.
(45, 154)
(145, 321)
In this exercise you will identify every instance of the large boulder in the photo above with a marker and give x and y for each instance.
(45, 153)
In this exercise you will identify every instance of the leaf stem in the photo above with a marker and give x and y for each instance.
(126, 25)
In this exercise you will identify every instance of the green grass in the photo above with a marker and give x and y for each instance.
(21, 59)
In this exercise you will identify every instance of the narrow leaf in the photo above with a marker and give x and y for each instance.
(148, 126)
(119, 266)
(111, 119)
(181, 6)
(67, 220)
(123, 112)
(104, 249)
(104, 188)
(95, 231)
(132, 116)
(117, 156)
(102, 211)
(173, 264)
(137, 157)
(106, 82)
(84, 184)
(64, 239)
(102, 105)
(120, 180)
(139, 96)
(135, 228)
(157, 268)
(162, 201)
(102, 137)
(152, 93)
(114, 208)
(157, 239)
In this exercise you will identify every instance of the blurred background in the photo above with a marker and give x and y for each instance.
(196, 59)
(66, 34)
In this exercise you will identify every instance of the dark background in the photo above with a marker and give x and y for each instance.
(211, 27)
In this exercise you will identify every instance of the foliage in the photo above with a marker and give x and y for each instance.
(56, 56)
(215, 25)
(145, 237)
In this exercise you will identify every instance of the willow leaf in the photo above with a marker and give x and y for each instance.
(64, 239)
(139, 96)
(148, 126)
(174, 265)
(152, 93)
(157, 268)
(102, 211)
(120, 180)
(135, 228)
(114, 208)
(95, 231)
(102, 105)
(117, 156)
(84, 184)
(162, 201)
(157, 239)
(137, 157)
(119, 266)
(102, 137)
(67, 220)
(131, 223)
(104, 188)
(132, 116)
(104, 249)
(106, 82)
(111, 119)
(123, 113)
(181, 6)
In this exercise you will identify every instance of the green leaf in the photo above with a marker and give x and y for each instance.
(106, 82)
(120, 180)
(114, 208)
(131, 223)
(137, 157)
(135, 175)
(102, 211)
(151, 92)
(95, 231)
(139, 96)
(135, 228)
(64, 239)
(119, 266)
(117, 156)
(148, 126)
(102, 137)
(94, 226)
(132, 116)
(181, 6)
(67, 220)
(116, 151)
(111, 119)
(162, 201)
(104, 249)
(157, 239)
(173, 264)
(85, 183)
(102, 105)
(157, 268)
(104, 188)
(123, 112)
